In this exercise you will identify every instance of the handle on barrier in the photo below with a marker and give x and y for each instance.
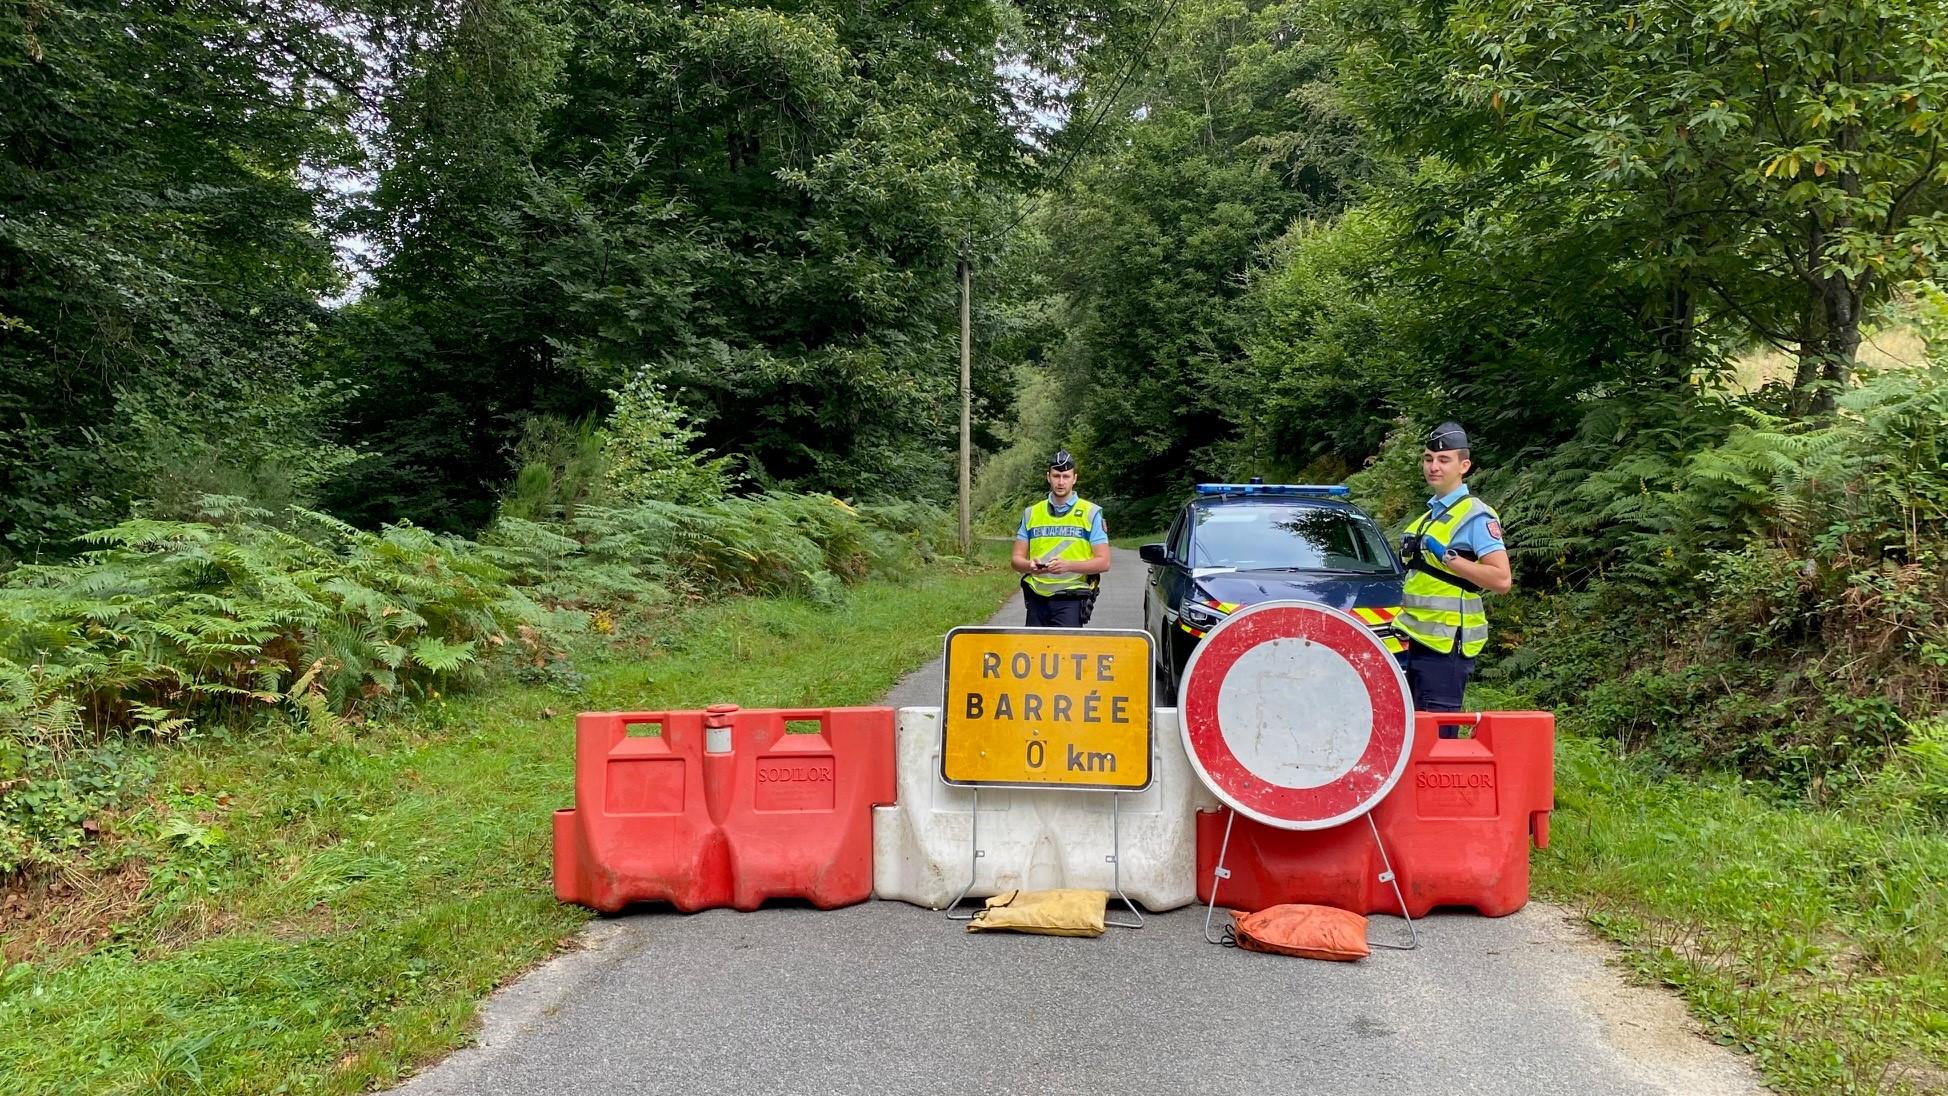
(771, 728)
(616, 741)
(599, 733)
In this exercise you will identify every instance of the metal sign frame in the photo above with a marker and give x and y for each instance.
(1145, 707)
(1363, 809)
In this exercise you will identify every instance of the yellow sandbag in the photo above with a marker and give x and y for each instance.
(1050, 913)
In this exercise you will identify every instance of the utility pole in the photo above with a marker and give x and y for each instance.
(966, 399)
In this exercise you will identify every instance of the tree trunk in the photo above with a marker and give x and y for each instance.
(1829, 333)
(1812, 326)
(1829, 346)
(1805, 378)
(1677, 331)
(1842, 341)
(1840, 299)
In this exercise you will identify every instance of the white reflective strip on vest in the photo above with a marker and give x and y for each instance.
(1446, 603)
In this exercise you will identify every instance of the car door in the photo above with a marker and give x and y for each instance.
(1176, 581)
(1156, 598)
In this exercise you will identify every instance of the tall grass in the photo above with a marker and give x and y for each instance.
(170, 630)
(325, 910)
(1816, 938)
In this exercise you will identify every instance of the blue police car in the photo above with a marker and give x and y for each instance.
(1238, 544)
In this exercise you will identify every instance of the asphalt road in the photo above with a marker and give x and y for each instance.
(889, 998)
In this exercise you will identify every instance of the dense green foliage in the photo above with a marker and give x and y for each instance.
(754, 208)
(1333, 223)
(186, 629)
(1239, 138)
(164, 245)
(1801, 576)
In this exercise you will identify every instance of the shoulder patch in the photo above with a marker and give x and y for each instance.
(1494, 528)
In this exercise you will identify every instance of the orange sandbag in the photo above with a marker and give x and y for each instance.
(1312, 932)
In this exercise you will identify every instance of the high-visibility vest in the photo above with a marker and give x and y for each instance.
(1436, 603)
(1060, 536)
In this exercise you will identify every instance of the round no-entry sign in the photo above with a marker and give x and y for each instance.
(1295, 714)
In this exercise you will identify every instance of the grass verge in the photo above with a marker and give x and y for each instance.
(325, 910)
(1817, 940)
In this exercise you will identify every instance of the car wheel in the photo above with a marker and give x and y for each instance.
(1167, 673)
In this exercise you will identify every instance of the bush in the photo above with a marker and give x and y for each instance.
(1775, 601)
(171, 623)
(651, 449)
(168, 629)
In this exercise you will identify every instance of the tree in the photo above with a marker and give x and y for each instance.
(1770, 168)
(1218, 150)
(756, 206)
(162, 188)
(652, 452)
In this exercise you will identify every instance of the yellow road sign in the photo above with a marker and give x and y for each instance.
(1041, 707)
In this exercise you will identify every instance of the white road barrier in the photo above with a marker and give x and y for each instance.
(1036, 839)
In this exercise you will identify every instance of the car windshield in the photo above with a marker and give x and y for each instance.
(1307, 538)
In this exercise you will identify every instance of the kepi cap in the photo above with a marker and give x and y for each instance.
(1446, 436)
(1061, 461)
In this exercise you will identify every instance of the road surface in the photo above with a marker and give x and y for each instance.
(889, 998)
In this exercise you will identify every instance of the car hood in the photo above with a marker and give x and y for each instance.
(1337, 591)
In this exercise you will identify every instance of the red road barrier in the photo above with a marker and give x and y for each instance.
(723, 808)
(1457, 829)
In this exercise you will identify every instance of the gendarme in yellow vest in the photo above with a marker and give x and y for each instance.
(1437, 603)
(1060, 536)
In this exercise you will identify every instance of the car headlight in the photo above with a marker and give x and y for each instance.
(1205, 614)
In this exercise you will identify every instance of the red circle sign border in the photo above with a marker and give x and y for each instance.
(1331, 804)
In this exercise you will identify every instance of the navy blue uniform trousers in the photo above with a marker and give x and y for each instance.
(1437, 680)
(1053, 612)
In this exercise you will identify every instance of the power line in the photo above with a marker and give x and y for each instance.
(1076, 150)
(966, 277)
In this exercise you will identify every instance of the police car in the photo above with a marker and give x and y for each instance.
(1238, 544)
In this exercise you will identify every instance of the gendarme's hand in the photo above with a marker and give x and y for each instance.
(1056, 567)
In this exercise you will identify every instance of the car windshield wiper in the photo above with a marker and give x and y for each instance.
(1324, 570)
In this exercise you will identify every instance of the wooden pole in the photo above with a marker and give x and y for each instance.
(966, 402)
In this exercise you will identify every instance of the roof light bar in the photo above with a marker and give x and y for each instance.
(1273, 489)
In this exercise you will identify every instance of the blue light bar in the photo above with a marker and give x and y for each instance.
(1273, 489)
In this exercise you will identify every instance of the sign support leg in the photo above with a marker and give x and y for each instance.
(1388, 877)
(1116, 864)
(973, 861)
(1218, 875)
